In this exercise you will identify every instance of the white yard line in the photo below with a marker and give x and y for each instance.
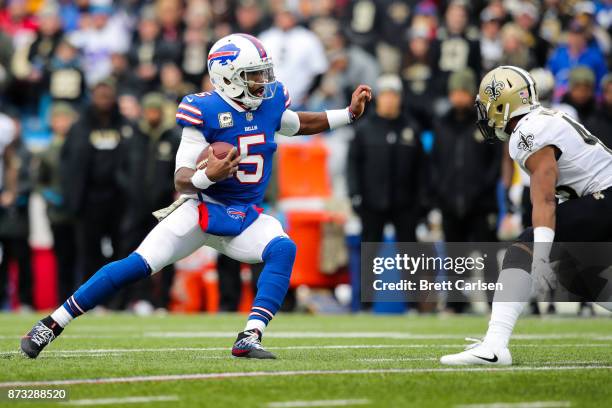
(318, 403)
(530, 404)
(208, 376)
(314, 347)
(124, 400)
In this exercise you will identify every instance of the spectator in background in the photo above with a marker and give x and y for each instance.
(126, 77)
(149, 51)
(395, 15)
(603, 13)
(457, 47)
(575, 52)
(515, 50)
(170, 17)
(8, 186)
(526, 17)
(173, 86)
(385, 164)
(349, 67)
(584, 12)
(65, 76)
(418, 75)
(581, 93)
(362, 24)
(48, 183)
(196, 42)
(600, 122)
(465, 170)
(295, 49)
(490, 41)
(40, 53)
(147, 175)
(17, 23)
(89, 174)
(99, 40)
(15, 221)
(250, 17)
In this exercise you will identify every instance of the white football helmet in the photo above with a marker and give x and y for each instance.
(240, 68)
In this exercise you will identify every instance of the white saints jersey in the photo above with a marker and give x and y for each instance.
(585, 164)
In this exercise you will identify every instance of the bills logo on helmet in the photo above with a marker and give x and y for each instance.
(224, 55)
(493, 90)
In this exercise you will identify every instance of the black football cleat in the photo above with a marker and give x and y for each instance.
(248, 345)
(38, 338)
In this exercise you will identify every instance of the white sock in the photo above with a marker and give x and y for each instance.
(507, 306)
(61, 316)
(255, 324)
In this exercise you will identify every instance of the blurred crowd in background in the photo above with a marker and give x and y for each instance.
(89, 88)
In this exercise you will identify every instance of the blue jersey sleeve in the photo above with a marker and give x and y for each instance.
(189, 113)
(287, 97)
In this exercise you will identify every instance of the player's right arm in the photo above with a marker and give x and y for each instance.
(187, 178)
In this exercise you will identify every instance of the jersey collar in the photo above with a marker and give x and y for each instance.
(234, 104)
(525, 119)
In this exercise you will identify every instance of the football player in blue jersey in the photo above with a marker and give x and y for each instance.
(219, 205)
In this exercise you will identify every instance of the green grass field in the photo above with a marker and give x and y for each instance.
(370, 361)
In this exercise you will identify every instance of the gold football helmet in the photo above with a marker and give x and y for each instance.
(505, 92)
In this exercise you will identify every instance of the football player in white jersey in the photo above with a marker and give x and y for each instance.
(564, 160)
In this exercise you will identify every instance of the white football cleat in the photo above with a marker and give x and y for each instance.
(478, 353)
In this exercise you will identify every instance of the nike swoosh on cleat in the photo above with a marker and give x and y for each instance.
(490, 360)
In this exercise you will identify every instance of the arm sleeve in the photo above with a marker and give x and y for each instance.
(287, 97)
(192, 143)
(290, 123)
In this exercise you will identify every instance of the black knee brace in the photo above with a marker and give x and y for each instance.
(520, 253)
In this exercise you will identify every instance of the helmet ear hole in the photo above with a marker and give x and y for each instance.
(499, 108)
(227, 81)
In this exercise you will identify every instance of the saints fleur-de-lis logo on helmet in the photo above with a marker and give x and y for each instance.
(525, 142)
(493, 90)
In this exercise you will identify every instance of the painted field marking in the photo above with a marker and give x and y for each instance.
(318, 403)
(208, 376)
(124, 400)
(530, 404)
(316, 347)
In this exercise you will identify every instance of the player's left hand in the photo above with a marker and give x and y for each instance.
(544, 278)
(362, 95)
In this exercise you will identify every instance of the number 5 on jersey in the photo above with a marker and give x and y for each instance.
(244, 142)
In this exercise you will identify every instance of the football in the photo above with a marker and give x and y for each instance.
(221, 150)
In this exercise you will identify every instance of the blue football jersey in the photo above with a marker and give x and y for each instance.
(251, 131)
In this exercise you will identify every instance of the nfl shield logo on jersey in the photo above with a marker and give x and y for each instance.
(249, 116)
(226, 120)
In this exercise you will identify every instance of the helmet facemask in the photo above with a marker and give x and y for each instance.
(486, 125)
(258, 84)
